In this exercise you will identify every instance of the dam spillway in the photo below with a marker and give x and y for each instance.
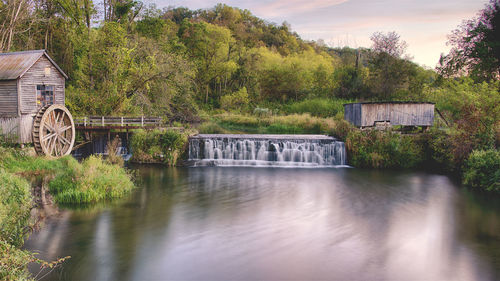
(266, 150)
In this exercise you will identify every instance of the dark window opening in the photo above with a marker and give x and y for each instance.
(44, 95)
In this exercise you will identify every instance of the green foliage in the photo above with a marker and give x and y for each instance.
(482, 170)
(376, 149)
(475, 47)
(15, 206)
(236, 100)
(91, 181)
(320, 107)
(14, 262)
(158, 146)
(73, 182)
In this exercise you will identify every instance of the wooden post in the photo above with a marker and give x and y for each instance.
(142, 121)
(84, 121)
(102, 120)
(122, 121)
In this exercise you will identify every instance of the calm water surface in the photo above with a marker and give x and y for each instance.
(280, 224)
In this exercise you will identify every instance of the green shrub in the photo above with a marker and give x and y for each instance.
(378, 149)
(482, 170)
(158, 146)
(236, 100)
(91, 181)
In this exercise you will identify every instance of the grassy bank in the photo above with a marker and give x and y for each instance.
(274, 124)
(68, 180)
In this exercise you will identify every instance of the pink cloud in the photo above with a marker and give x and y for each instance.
(289, 7)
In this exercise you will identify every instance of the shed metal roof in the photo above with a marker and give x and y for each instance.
(14, 65)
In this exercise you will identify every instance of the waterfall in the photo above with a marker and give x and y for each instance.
(266, 150)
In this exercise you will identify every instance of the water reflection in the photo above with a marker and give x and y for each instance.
(286, 224)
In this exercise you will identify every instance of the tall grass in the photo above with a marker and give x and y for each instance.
(91, 181)
(15, 206)
(71, 182)
(320, 107)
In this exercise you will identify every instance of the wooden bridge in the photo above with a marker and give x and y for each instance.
(92, 123)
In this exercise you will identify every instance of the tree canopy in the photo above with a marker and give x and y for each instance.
(475, 47)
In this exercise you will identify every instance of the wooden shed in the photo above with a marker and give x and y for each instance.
(29, 81)
(368, 114)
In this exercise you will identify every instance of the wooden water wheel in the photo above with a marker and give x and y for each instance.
(53, 131)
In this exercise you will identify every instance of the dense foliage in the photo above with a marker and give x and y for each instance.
(482, 170)
(475, 46)
(158, 146)
(125, 58)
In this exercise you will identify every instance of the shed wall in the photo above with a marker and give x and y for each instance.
(36, 76)
(8, 98)
(352, 113)
(406, 114)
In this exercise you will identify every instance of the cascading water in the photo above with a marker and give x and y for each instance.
(266, 150)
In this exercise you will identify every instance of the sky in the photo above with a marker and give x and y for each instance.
(423, 24)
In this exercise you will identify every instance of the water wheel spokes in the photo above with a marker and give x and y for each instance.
(53, 131)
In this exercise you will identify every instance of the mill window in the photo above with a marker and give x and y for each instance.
(44, 95)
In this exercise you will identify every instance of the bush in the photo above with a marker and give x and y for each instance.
(236, 100)
(91, 181)
(376, 149)
(482, 170)
(158, 146)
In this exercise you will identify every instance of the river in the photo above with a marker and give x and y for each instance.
(237, 223)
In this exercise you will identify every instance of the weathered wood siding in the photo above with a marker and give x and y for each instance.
(8, 98)
(406, 114)
(16, 129)
(352, 113)
(36, 76)
(9, 128)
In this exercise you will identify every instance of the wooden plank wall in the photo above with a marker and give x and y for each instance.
(9, 128)
(352, 113)
(8, 98)
(36, 76)
(407, 114)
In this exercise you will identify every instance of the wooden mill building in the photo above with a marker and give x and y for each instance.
(369, 114)
(29, 81)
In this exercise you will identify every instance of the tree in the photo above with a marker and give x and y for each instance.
(475, 47)
(389, 43)
(13, 14)
(389, 72)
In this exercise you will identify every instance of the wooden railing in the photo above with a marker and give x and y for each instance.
(107, 121)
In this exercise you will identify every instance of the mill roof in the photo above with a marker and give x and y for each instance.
(14, 65)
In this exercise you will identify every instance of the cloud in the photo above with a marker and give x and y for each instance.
(280, 8)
